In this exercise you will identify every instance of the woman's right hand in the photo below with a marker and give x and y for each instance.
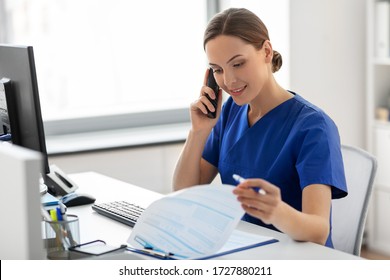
(199, 119)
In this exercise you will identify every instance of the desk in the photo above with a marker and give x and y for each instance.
(95, 226)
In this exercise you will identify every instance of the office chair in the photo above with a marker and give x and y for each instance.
(349, 213)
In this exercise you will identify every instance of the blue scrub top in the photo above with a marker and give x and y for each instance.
(294, 145)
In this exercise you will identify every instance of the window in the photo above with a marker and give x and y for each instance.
(108, 57)
(116, 63)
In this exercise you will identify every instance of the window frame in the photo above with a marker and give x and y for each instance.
(116, 122)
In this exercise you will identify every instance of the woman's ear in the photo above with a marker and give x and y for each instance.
(268, 51)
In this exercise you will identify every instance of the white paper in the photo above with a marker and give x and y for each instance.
(240, 239)
(190, 223)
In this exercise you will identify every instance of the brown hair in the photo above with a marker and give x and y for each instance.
(243, 24)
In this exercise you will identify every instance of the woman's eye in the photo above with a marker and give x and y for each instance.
(217, 71)
(238, 64)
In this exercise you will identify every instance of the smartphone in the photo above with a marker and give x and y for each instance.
(211, 83)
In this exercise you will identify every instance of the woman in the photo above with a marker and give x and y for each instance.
(289, 147)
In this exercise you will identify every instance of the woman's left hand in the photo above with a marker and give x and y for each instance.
(263, 204)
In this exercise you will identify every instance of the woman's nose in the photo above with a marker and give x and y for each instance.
(229, 78)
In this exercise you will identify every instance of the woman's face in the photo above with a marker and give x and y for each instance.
(239, 69)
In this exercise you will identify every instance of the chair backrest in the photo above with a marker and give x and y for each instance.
(349, 213)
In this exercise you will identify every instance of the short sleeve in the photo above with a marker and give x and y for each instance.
(319, 160)
(212, 147)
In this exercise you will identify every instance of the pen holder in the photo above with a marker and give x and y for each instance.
(60, 235)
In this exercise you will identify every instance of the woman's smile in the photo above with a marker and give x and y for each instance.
(237, 91)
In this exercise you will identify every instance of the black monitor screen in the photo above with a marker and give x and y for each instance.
(17, 64)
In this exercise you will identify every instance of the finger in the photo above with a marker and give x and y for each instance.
(255, 206)
(242, 189)
(258, 205)
(207, 103)
(219, 103)
(250, 202)
(244, 192)
(206, 74)
(257, 213)
(252, 197)
(250, 209)
(202, 104)
(199, 106)
(207, 91)
(250, 183)
(210, 92)
(263, 186)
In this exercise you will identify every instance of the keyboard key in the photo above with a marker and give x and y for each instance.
(121, 211)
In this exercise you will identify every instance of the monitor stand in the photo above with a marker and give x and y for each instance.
(58, 182)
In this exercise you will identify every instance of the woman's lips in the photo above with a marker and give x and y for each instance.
(237, 91)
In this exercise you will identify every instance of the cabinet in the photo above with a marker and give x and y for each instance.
(378, 125)
(379, 229)
(379, 234)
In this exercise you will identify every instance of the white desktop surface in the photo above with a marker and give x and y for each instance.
(105, 189)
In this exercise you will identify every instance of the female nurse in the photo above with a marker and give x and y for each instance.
(282, 144)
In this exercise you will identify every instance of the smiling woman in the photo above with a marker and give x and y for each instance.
(285, 145)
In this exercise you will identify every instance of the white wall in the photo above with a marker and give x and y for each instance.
(327, 60)
(276, 16)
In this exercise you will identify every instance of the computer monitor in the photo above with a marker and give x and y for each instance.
(18, 66)
(20, 216)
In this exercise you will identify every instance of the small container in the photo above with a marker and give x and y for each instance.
(60, 235)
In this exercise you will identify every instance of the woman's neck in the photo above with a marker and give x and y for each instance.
(270, 97)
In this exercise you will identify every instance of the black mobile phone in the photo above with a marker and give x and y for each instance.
(214, 86)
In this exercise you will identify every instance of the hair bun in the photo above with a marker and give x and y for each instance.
(276, 61)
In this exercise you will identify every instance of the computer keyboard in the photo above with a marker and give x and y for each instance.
(122, 211)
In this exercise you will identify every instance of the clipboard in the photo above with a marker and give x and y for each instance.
(152, 253)
(96, 248)
(195, 223)
(239, 249)
(225, 250)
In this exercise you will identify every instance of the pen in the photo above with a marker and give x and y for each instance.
(63, 209)
(240, 179)
(59, 214)
(57, 227)
(156, 253)
(53, 215)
